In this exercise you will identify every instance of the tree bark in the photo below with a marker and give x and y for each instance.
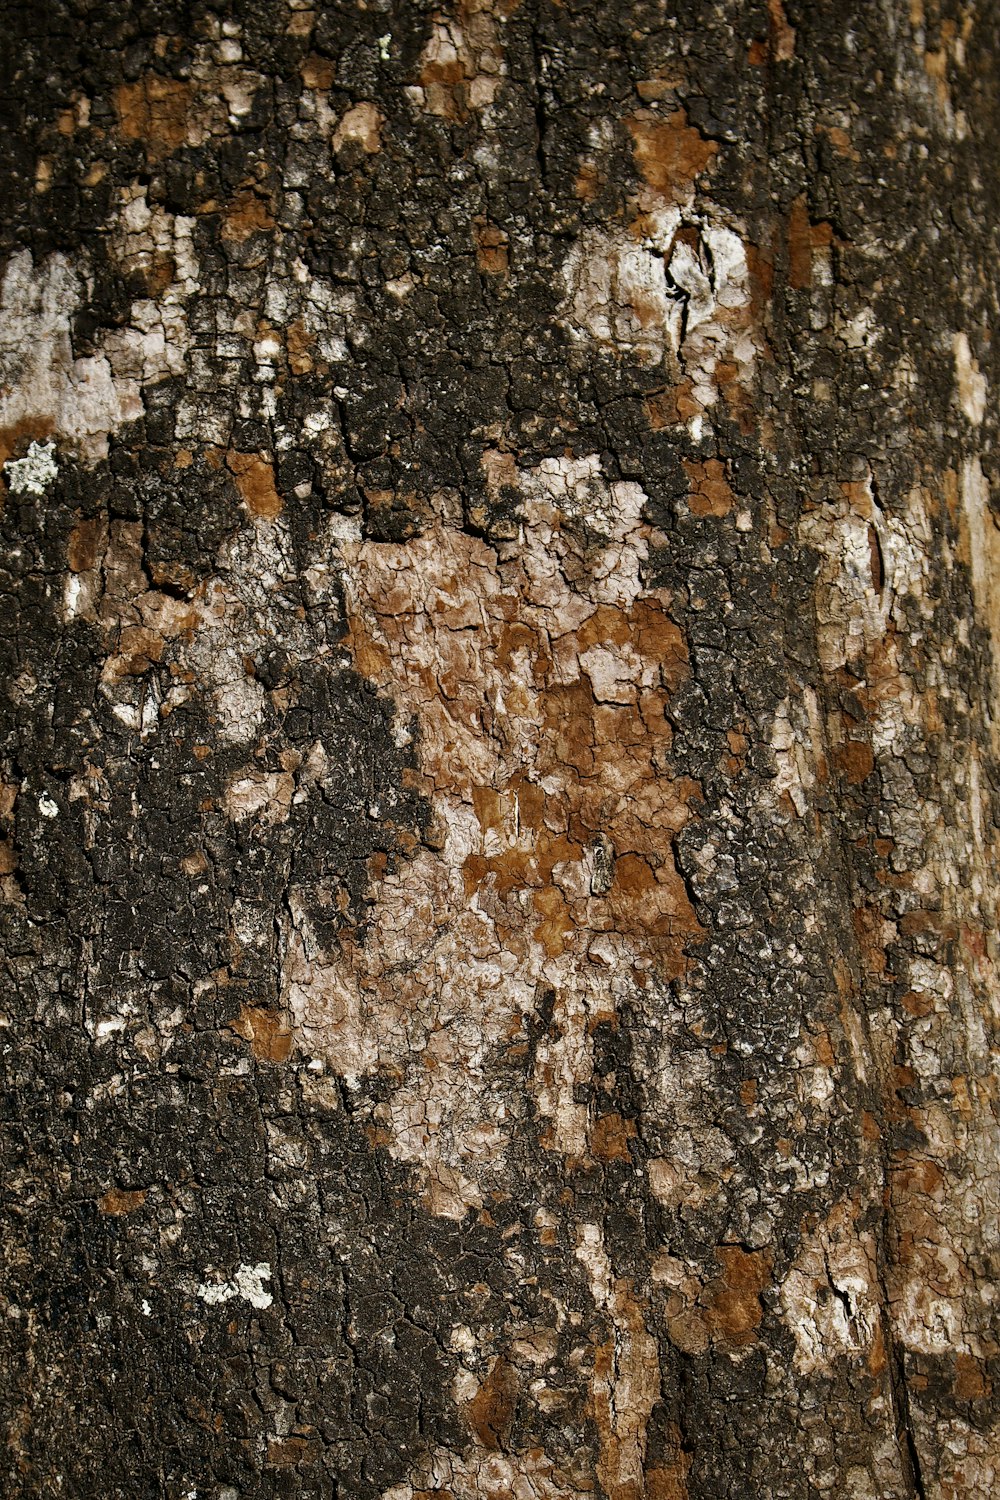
(498, 756)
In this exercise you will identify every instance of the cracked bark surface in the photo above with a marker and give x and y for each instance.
(498, 751)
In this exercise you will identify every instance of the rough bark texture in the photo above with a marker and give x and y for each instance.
(498, 766)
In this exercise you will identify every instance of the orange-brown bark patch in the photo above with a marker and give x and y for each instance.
(360, 126)
(917, 1174)
(729, 377)
(118, 1201)
(300, 344)
(760, 265)
(288, 1451)
(589, 181)
(668, 1481)
(781, 36)
(840, 141)
(86, 543)
(855, 759)
(138, 649)
(556, 923)
(732, 1304)
(920, 921)
(799, 246)
(672, 408)
(247, 214)
(609, 1138)
(267, 1032)
(491, 247)
(254, 477)
(868, 930)
(971, 1382)
(709, 494)
(462, 63)
(490, 1413)
(155, 111)
(804, 237)
(669, 153)
(317, 72)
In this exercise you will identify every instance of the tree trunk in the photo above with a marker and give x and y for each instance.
(499, 750)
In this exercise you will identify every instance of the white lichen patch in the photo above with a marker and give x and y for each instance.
(32, 474)
(247, 1282)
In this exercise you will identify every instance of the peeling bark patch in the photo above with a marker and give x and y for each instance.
(209, 639)
(394, 984)
(538, 675)
(733, 1310)
(626, 1379)
(462, 64)
(266, 796)
(807, 243)
(971, 383)
(446, 1475)
(710, 494)
(830, 1295)
(677, 295)
(490, 1413)
(247, 214)
(781, 35)
(491, 248)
